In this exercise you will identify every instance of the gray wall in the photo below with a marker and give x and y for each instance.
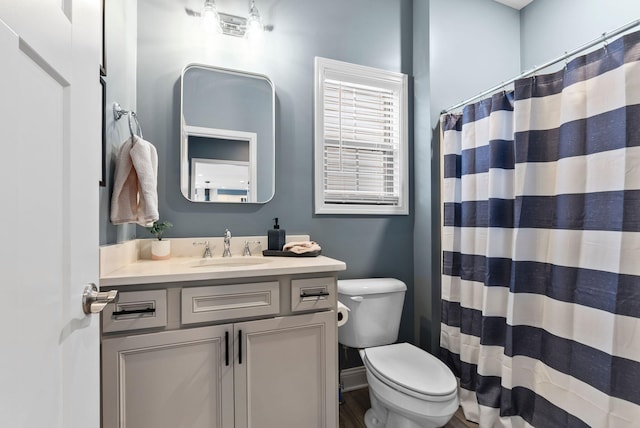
(466, 47)
(371, 246)
(424, 248)
(217, 148)
(552, 27)
(120, 40)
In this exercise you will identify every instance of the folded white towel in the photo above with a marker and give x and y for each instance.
(135, 188)
(302, 247)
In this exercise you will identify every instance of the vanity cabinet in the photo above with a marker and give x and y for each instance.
(284, 377)
(169, 379)
(228, 355)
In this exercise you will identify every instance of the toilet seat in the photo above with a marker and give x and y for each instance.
(411, 370)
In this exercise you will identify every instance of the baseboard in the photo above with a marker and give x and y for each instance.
(353, 378)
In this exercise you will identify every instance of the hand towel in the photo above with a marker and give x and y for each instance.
(124, 197)
(145, 161)
(302, 247)
(135, 195)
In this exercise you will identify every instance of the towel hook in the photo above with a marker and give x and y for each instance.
(118, 111)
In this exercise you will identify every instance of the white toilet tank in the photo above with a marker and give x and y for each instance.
(376, 308)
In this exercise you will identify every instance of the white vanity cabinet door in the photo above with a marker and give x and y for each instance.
(169, 379)
(285, 372)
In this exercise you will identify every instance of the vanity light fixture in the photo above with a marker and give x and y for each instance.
(232, 25)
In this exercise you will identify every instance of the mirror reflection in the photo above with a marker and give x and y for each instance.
(227, 135)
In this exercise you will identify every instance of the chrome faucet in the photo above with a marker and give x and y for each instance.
(207, 249)
(227, 243)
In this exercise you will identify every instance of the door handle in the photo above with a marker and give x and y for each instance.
(94, 301)
(240, 347)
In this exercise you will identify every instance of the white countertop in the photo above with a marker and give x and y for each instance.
(189, 269)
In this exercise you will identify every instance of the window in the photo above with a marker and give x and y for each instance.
(361, 149)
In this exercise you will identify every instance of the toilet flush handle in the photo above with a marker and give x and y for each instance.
(357, 298)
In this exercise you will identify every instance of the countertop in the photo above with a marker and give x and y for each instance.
(190, 269)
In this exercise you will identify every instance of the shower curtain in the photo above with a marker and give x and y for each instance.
(541, 247)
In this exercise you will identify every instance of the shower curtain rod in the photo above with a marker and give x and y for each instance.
(566, 55)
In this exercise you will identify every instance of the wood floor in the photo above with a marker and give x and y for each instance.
(356, 403)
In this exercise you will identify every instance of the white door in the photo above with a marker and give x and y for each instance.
(49, 172)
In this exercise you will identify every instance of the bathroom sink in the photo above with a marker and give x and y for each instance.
(230, 262)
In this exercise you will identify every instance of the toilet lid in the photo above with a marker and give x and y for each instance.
(412, 368)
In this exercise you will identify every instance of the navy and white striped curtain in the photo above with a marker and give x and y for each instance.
(541, 247)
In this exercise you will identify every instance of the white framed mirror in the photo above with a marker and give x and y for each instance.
(227, 129)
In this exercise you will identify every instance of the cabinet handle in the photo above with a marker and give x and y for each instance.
(134, 311)
(226, 348)
(239, 346)
(314, 294)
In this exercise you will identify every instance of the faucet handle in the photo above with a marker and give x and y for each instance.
(247, 250)
(227, 233)
(207, 249)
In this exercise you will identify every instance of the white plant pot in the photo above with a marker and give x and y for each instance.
(160, 250)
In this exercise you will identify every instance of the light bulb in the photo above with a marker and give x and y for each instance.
(210, 19)
(254, 23)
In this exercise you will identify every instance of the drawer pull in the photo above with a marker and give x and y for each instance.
(317, 294)
(134, 311)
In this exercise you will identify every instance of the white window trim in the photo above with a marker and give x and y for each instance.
(372, 77)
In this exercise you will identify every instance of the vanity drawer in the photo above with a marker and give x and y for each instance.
(223, 302)
(312, 294)
(136, 310)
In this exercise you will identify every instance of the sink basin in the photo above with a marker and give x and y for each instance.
(230, 262)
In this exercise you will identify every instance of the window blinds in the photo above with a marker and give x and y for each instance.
(360, 139)
(361, 144)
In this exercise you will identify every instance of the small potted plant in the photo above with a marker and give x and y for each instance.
(160, 249)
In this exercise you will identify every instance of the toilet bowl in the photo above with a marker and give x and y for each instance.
(408, 387)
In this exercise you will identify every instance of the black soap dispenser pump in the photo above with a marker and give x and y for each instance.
(276, 237)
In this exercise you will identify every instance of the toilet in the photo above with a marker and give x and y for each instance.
(408, 387)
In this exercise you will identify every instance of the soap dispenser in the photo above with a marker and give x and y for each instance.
(276, 237)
